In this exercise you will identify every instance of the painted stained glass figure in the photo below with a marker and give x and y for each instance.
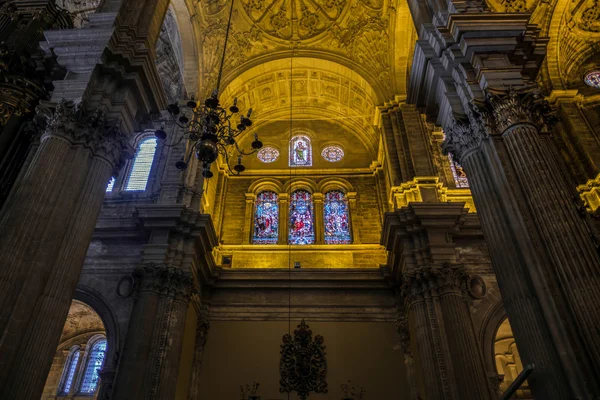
(335, 215)
(301, 229)
(300, 151)
(266, 218)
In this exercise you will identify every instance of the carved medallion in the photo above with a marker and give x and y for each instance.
(303, 367)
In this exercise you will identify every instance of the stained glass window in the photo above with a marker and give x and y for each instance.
(592, 79)
(268, 154)
(91, 375)
(336, 218)
(300, 151)
(138, 178)
(301, 228)
(460, 178)
(111, 184)
(69, 371)
(332, 153)
(266, 218)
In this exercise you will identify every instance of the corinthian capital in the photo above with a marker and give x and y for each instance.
(507, 108)
(428, 282)
(163, 280)
(461, 139)
(71, 122)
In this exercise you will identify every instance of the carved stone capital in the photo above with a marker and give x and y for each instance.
(434, 281)
(164, 281)
(462, 138)
(70, 121)
(505, 109)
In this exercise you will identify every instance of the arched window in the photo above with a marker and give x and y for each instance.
(300, 151)
(301, 223)
(111, 185)
(138, 178)
(266, 218)
(336, 218)
(69, 370)
(94, 362)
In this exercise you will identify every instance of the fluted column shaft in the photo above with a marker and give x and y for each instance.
(45, 229)
(521, 283)
(150, 362)
(563, 231)
(450, 361)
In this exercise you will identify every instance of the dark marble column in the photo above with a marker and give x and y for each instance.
(409, 361)
(519, 117)
(528, 297)
(150, 362)
(45, 228)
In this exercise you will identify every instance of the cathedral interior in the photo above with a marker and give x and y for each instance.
(300, 199)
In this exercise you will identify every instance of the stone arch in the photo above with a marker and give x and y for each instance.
(491, 322)
(260, 185)
(335, 183)
(300, 184)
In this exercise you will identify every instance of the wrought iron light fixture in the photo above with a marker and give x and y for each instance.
(212, 129)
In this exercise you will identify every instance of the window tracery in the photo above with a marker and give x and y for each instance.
(69, 371)
(301, 218)
(268, 154)
(142, 164)
(592, 79)
(300, 151)
(95, 360)
(332, 153)
(336, 218)
(266, 218)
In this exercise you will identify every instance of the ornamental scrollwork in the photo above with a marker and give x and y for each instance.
(433, 281)
(303, 367)
(163, 280)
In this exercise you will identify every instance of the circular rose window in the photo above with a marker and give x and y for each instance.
(333, 153)
(268, 154)
(592, 79)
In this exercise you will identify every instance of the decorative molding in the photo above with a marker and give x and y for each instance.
(303, 367)
(163, 280)
(433, 282)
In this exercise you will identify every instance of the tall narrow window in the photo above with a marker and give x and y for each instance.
(300, 151)
(336, 218)
(69, 371)
(91, 375)
(458, 173)
(266, 218)
(301, 228)
(138, 178)
(111, 185)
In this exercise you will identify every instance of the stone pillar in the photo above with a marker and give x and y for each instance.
(150, 361)
(433, 289)
(537, 327)
(564, 234)
(319, 222)
(353, 216)
(107, 379)
(201, 333)
(284, 224)
(45, 228)
(409, 362)
(249, 218)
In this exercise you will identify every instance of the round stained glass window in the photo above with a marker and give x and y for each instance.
(268, 154)
(592, 79)
(333, 153)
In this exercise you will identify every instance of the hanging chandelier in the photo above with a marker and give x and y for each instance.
(213, 130)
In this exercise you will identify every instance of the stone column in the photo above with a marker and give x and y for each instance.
(319, 222)
(353, 215)
(565, 236)
(45, 228)
(201, 333)
(537, 327)
(150, 360)
(433, 289)
(284, 225)
(409, 362)
(248, 218)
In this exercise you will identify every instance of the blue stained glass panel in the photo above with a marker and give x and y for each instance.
(302, 228)
(71, 367)
(92, 369)
(266, 218)
(138, 178)
(111, 185)
(336, 218)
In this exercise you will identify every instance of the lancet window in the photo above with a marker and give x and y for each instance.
(301, 218)
(300, 151)
(94, 362)
(142, 164)
(336, 218)
(266, 218)
(69, 371)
